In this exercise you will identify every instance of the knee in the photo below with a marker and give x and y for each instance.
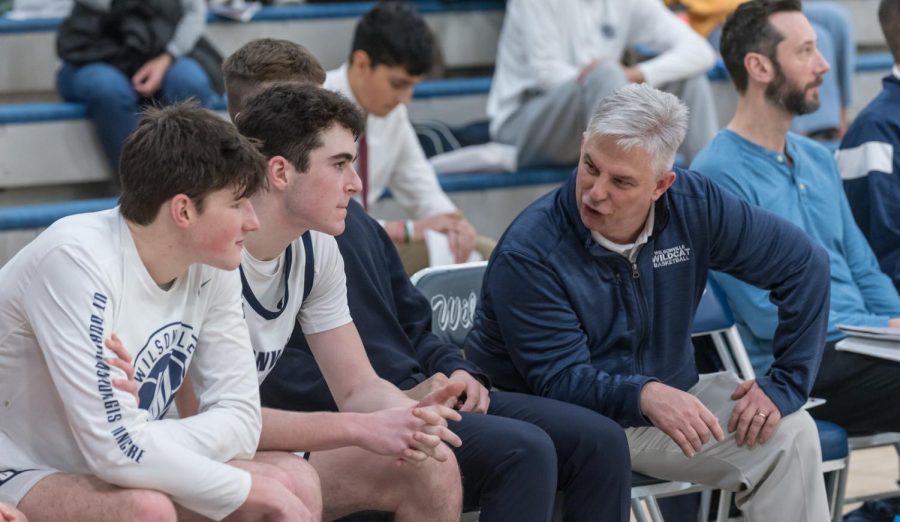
(529, 451)
(186, 79)
(439, 484)
(102, 83)
(305, 484)
(798, 430)
(601, 445)
(603, 79)
(144, 505)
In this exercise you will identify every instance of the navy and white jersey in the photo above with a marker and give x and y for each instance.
(869, 161)
(274, 296)
(64, 294)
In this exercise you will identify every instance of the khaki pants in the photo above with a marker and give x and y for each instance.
(780, 480)
(415, 255)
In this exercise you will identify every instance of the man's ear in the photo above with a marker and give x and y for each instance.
(759, 68)
(663, 183)
(360, 60)
(181, 210)
(278, 170)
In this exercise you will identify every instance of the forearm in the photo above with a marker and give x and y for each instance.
(309, 431)
(373, 395)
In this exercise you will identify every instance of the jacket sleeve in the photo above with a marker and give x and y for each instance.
(414, 314)
(70, 312)
(189, 28)
(766, 251)
(547, 344)
(533, 25)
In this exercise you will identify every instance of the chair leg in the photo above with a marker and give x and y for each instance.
(724, 506)
(655, 513)
(705, 505)
(638, 510)
(838, 513)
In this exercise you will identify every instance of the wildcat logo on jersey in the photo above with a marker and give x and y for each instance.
(161, 364)
(671, 256)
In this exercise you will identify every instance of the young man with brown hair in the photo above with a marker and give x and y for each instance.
(293, 276)
(158, 271)
(261, 62)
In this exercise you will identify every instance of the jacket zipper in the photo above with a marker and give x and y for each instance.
(642, 312)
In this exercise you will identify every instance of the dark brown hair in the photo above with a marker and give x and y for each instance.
(748, 30)
(265, 61)
(184, 149)
(289, 119)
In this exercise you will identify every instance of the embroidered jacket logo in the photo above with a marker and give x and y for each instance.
(671, 256)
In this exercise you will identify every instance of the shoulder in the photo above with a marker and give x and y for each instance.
(323, 246)
(873, 124)
(95, 236)
(540, 229)
(813, 151)
(722, 153)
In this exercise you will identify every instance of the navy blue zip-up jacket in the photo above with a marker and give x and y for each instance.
(870, 174)
(562, 317)
(393, 319)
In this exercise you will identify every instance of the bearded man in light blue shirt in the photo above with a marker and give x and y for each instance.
(770, 50)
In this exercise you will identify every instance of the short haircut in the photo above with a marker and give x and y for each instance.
(265, 61)
(889, 16)
(639, 116)
(393, 34)
(184, 149)
(289, 119)
(748, 30)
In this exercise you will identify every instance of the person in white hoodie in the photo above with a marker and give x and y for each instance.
(159, 272)
(557, 60)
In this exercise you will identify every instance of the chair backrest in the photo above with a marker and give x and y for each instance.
(713, 313)
(714, 318)
(453, 292)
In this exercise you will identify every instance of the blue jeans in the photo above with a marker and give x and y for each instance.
(113, 103)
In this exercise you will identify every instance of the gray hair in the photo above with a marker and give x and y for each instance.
(639, 116)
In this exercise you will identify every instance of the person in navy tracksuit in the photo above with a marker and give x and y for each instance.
(590, 296)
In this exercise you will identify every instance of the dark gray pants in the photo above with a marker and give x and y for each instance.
(547, 129)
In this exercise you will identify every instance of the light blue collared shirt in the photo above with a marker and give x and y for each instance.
(804, 187)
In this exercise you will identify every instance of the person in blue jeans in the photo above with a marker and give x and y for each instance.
(114, 98)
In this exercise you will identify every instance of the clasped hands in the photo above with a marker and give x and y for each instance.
(411, 433)
(690, 424)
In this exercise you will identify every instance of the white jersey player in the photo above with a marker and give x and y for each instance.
(158, 271)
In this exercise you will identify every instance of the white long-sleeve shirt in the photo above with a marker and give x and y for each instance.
(396, 159)
(546, 43)
(60, 298)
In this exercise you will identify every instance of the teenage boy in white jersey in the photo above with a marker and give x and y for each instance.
(158, 271)
(293, 272)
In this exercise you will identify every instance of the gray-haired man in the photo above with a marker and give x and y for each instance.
(590, 296)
